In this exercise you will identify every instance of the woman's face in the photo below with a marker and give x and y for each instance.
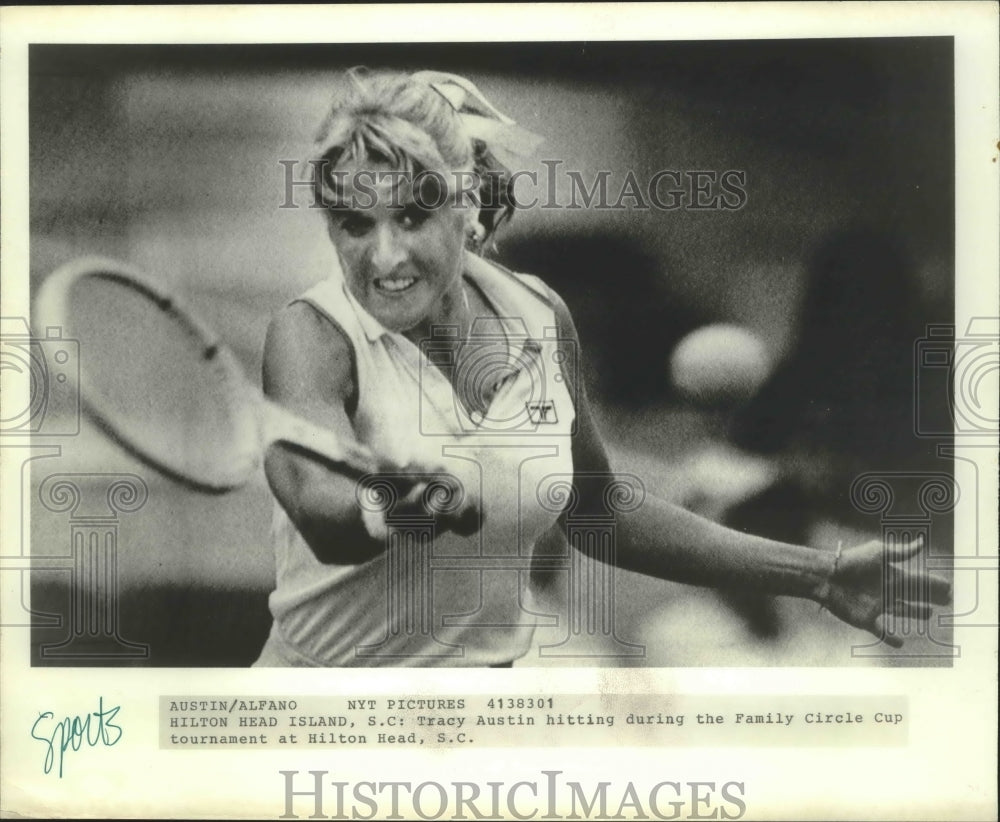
(399, 258)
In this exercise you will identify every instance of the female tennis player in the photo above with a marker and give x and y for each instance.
(441, 361)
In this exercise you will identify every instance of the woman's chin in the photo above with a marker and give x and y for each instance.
(397, 311)
(399, 319)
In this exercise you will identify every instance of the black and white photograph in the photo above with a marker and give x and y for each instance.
(725, 273)
(642, 388)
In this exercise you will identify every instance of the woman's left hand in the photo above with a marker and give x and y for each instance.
(871, 582)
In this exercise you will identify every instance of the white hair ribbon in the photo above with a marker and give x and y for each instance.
(483, 121)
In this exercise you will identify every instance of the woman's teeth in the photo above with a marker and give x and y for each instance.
(398, 284)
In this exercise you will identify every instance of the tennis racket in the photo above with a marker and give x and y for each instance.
(164, 385)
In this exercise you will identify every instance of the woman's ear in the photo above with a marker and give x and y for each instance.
(475, 234)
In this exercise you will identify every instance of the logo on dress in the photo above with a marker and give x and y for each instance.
(542, 412)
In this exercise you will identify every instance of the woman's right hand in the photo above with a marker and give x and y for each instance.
(418, 493)
(308, 368)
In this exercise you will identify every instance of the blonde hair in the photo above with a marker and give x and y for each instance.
(406, 123)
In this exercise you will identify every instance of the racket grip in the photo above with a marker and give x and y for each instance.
(461, 513)
(442, 496)
(469, 520)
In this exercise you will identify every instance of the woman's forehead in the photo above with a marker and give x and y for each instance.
(362, 179)
(362, 185)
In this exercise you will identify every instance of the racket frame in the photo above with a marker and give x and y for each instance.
(260, 422)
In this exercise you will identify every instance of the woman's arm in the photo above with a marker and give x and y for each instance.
(308, 368)
(663, 540)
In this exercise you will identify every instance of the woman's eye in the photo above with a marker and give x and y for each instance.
(355, 225)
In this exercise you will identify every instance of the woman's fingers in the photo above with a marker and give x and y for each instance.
(899, 610)
(932, 587)
(890, 639)
(905, 594)
(939, 589)
(912, 610)
(899, 551)
(443, 498)
(935, 588)
(468, 521)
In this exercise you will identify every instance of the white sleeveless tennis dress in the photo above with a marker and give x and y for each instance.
(437, 599)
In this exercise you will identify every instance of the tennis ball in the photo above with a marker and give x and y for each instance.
(720, 364)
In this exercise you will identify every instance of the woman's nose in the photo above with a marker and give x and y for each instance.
(388, 251)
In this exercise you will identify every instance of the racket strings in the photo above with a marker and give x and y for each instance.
(153, 375)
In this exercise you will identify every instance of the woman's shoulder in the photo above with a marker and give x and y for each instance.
(315, 321)
(536, 287)
(301, 323)
(499, 274)
(306, 347)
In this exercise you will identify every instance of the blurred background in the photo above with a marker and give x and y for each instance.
(747, 363)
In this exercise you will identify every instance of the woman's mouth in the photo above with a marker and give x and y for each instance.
(394, 285)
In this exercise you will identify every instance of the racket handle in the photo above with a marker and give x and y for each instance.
(281, 425)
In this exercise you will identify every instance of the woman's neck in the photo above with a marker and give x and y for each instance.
(452, 310)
